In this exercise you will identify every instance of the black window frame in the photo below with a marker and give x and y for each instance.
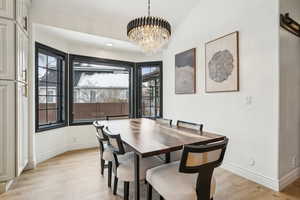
(64, 92)
(138, 86)
(79, 58)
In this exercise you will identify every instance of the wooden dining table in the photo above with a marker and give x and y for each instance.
(148, 138)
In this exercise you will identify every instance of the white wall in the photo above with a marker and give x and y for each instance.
(289, 149)
(252, 129)
(57, 141)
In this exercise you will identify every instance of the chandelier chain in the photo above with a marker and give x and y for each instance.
(148, 7)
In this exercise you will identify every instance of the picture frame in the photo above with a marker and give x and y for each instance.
(222, 64)
(185, 72)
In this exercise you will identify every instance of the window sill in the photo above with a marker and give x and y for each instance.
(50, 127)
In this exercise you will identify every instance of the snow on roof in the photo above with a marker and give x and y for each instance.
(103, 80)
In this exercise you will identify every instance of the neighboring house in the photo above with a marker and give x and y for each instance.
(97, 87)
(90, 87)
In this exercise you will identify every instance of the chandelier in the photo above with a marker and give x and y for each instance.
(149, 32)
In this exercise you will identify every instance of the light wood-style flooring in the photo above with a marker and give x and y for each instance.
(76, 176)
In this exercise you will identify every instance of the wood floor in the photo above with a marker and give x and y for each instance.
(75, 176)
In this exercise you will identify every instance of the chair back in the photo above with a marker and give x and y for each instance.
(99, 125)
(114, 141)
(190, 125)
(200, 158)
(203, 159)
(112, 117)
(163, 121)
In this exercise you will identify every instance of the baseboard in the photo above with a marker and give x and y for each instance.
(30, 165)
(50, 154)
(289, 178)
(4, 186)
(253, 176)
(78, 146)
(55, 152)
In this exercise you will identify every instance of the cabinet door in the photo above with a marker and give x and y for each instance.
(22, 128)
(7, 49)
(7, 130)
(7, 8)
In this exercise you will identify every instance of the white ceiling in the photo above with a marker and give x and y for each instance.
(75, 37)
(107, 18)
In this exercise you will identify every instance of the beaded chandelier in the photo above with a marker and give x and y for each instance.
(149, 32)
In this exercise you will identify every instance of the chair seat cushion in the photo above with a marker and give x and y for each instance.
(166, 177)
(108, 155)
(125, 171)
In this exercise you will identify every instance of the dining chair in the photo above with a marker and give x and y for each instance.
(192, 176)
(106, 155)
(176, 155)
(163, 121)
(190, 125)
(116, 117)
(123, 164)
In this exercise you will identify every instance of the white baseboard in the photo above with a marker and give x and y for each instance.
(78, 146)
(49, 154)
(30, 165)
(55, 152)
(289, 178)
(253, 176)
(4, 186)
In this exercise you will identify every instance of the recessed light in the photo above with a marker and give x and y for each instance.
(109, 44)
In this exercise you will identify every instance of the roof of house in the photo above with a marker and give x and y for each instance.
(103, 80)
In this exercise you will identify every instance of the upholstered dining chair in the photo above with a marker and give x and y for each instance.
(176, 156)
(123, 164)
(190, 125)
(105, 154)
(192, 177)
(162, 121)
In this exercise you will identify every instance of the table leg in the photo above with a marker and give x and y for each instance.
(168, 158)
(136, 176)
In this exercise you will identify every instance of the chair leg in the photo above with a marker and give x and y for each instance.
(126, 190)
(149, 192)
(109, 173)
(115, 186)
(102, 162)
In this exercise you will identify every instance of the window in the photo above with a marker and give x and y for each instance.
(50, 88)
(149, 89)
(98, 88)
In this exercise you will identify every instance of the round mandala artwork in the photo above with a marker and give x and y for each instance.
(220, 66)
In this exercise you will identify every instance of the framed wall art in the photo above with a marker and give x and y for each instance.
(185, 72)
(222, 64)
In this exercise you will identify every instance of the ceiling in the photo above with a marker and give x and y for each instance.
(107, 18)
(75, 37)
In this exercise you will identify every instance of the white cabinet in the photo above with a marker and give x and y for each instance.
(22, 128)
(22, 53)
(14, 54)
(7, 130)
(7, 8)
(22, 13)
(7, 49)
